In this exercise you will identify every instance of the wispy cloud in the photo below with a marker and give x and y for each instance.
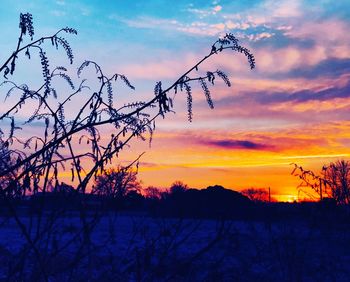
(208, 21)
(85, 11)
(58, 13)
(147, 22)
(204, 12)
(60, 2)
(200, 28)
(282, 9)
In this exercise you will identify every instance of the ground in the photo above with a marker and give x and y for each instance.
(137, 247)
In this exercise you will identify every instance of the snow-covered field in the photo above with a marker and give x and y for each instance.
(136, 247)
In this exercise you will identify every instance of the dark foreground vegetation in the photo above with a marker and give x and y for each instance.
(212, 234)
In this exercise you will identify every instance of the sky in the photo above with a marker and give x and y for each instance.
(293, 108)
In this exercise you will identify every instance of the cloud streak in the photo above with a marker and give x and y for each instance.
(237, 144)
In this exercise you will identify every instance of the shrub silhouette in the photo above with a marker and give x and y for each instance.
(333, 181)
(8, 183)
(116, 183)
(44, 157)
(38, 166)
(178, 187)
(257, 194)
(72, 141)
(337, 177)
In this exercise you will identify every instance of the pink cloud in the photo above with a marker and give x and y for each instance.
(269, 61)
(217, 8)
(270, 12)
(323, 32)
(283, 9)
(161, 69)
(272, 60)
(331, 35)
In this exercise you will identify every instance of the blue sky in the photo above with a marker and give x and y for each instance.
(293, 107)
(175, 26)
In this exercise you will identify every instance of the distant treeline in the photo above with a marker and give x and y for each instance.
(212, 202)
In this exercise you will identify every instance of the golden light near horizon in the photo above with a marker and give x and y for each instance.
(293, 108)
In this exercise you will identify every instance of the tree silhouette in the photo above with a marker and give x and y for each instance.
(178, 187)
(332, 182)
(337, 178)
(116, 183)
(43, 157)
(152, 192)
(256, 194)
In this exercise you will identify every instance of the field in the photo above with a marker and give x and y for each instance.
(114, 246)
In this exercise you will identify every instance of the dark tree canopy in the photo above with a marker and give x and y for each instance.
(257, 194)
(116, 183)
(178, 187)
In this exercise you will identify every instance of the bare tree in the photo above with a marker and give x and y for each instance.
(337, 181)
(152, 192)
(333, 181)
(257, 194)
(178, 187)
(116, 183)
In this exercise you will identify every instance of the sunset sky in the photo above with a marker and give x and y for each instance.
(293, 108)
